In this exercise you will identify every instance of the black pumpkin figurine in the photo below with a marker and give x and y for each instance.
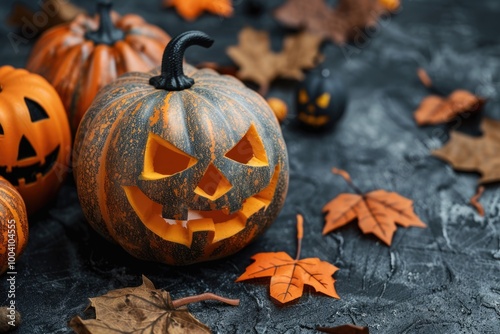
(321, 99)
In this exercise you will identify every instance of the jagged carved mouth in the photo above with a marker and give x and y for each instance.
(313, 120)
(30, 174)
(218, 224)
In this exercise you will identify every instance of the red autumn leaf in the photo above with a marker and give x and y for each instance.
(191, 9)
(377, 212)
(288, 276)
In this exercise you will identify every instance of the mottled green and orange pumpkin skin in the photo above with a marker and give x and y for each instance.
(11, 208)
(205, 122)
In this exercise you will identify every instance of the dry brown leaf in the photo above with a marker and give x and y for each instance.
(344, 329)
(288, 276)
(55, 11)
(377, 212)
(341, 24)
(475, 154)
(143, 309)
(259, 64)
(474, 201)
(436, 110)
(191, 9)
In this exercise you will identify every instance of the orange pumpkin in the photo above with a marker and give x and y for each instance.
(35, 140)
(13, 225)
(180, 168)
(279, 107)
(83, 56)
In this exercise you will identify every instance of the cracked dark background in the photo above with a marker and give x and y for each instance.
(442, 279)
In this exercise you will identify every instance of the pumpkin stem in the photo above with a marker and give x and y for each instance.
(107, 32)
(204, 296)
(172, 75)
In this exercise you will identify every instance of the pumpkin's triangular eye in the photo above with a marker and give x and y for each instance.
(37, 113)
(26, 150)
(163, 159)
(249, 150)
(1, 129)
(323, 101)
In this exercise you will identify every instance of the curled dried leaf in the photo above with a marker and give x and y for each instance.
(143, 309)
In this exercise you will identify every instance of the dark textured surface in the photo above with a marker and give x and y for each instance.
(443, 279)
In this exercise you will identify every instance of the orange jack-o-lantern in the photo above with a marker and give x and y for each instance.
(35, 140)
(180, 169)
(82, 56)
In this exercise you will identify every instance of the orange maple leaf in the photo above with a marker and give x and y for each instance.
(377, 212)
(288, 276)
(435, 109)
(191, 9)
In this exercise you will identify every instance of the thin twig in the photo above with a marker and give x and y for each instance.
(204, 296)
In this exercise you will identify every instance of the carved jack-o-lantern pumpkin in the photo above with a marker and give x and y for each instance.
(180, 169)
(35, 140)
(82, 56)
(321, 99)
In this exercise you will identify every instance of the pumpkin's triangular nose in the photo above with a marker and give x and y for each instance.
(213, 184)
(26, 150)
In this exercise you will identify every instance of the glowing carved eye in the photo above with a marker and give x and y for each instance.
(323, 101)
(162, 159)
(37, 113)
(303, 98)
(249, 150)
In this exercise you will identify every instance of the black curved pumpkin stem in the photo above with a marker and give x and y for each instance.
(107, 32)
(172, 75)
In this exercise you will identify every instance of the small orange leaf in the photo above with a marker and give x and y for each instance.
(191, 9)
(377, 212)
(288, 276)
(435, 109)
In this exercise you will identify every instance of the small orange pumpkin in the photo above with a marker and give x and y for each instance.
(35, 140)
(83, 56)
(13, 225)
(279, 108)
(180, 168)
